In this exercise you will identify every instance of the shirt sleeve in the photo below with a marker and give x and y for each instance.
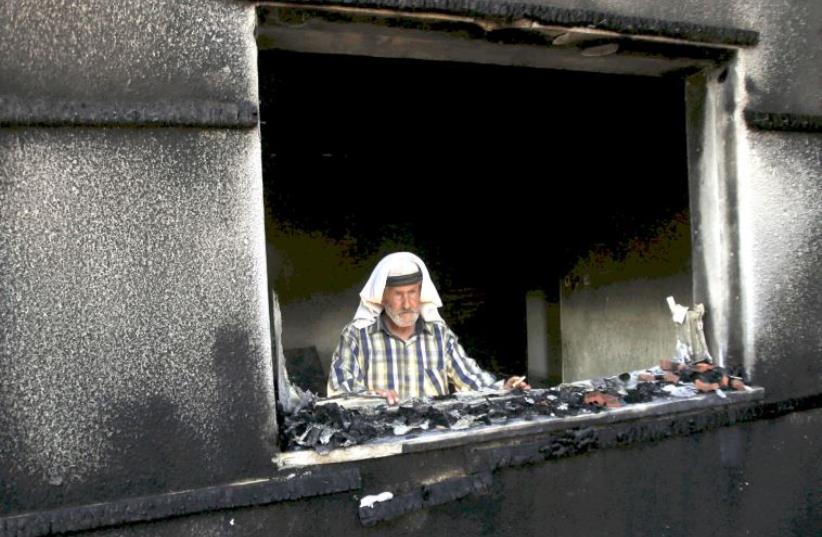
(463, 371)
(345, 374)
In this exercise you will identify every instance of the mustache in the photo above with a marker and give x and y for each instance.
(401, 311)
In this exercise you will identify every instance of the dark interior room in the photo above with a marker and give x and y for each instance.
(500, 177)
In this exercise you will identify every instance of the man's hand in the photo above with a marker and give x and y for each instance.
(391, 397)
(516, 382)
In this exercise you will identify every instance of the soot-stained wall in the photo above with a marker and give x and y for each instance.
(715, 483)
(144, 51)
(99, 386)
(134, 348)
(783, 200)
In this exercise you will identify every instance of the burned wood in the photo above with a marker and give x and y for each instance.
(549, 15)
(324, 427)
(328, 426)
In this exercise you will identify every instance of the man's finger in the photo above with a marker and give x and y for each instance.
(391, 397)
(513, 382)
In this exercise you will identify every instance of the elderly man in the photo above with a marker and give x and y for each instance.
(398, 346)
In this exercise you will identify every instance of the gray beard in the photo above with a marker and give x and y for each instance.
(397, 320)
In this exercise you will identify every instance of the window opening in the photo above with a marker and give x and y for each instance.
(536, 197)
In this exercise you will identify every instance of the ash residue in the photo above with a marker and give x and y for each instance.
(328, 426)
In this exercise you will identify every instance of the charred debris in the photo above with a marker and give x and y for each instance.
(343, 421)
(329, 424)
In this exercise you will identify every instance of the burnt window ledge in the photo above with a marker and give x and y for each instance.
(518, 428)
(490, 448)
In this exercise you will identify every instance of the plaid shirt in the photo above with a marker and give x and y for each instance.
(373, 358)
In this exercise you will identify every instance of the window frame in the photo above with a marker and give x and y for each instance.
(712, 78)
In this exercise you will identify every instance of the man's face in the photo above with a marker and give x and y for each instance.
(402, 304)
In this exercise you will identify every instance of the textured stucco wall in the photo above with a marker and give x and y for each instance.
(782, 202)
(146, 50)
(134, 348)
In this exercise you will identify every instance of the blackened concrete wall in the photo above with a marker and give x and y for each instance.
(134, 348)
(757, 479)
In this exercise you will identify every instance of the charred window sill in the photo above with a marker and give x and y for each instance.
(634, 414)
(486, 448)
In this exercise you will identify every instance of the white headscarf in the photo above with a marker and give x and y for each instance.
(371, 295)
